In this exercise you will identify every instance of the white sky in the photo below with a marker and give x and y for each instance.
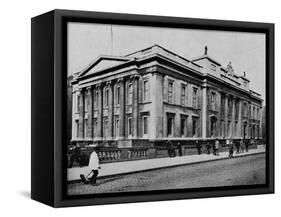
(246, 51)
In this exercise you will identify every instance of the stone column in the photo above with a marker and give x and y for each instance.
(81, 113)
(100, 112)
(233, 117)
(90, 112)
(110, 109)
(225, 115)
(135, 105)
(122, 101)
(204, 109)
(239, 127)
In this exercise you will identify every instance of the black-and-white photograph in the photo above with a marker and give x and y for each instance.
(157, 108)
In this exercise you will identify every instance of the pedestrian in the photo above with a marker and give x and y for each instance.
(242, 146)
(169, 146)
(208, 147)
(237, 144)
(93, 170)
(199, 147)
(246, 145)
(179, 149)
(217, 146)
(75, 155)
(230, 145)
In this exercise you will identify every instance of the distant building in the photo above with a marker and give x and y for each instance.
(154, 95)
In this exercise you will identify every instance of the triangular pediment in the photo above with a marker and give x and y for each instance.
(101, 63)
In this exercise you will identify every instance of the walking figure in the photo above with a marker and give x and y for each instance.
(246, 145)
(93, 169)
(242, 146)
(75, 155)
(217, 146)
(237, 144)
(198, 146)
(208, 148)
(179, 149)
(230, 145)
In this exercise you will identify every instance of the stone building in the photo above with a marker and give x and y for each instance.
(152, 95)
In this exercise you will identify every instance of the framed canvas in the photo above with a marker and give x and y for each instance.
(133, 108)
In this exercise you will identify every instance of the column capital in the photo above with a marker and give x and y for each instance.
(134, 76)
(108, 83)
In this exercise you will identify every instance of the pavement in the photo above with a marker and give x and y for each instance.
(126, 167)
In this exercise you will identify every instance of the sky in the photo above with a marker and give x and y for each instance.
(246, 51)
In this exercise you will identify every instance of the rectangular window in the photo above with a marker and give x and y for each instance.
(129, 126)
(117, 95)
(130, 94)
(258, 114)
(183, 89)
(78, 103)
(97, 99)
(170, 92)
(194, 99)
(194, 127)
(77, 128)
(145, 90)
(183, 126)
(222, 128)
(213, 101)
(170, 125)
(145, 125)
(106, 97)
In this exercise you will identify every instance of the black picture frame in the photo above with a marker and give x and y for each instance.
(49, 49)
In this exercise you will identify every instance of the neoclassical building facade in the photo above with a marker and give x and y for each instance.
(152, 95)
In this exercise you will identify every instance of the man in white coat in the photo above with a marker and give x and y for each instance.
(93, 169)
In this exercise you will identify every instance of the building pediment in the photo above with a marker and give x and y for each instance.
(101, 63)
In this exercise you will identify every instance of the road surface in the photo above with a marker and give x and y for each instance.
(236, 171)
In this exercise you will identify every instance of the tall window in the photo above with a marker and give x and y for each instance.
(170, 92)
(213, 126)
(96, 98)
(145, 125)
(130, 94)
(213, 100)
(222, 128)
(145, 90)
(258, 114)
(170, 123)
(129, 126)
(194, 127)
(77, 128)
(117, 127)
(183, 126)
(183, 89)
(254, 113)
(194, 97)
(106, 97)
(78, 103)
(117, 95)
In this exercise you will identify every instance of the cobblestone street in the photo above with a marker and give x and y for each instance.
(237, 171)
